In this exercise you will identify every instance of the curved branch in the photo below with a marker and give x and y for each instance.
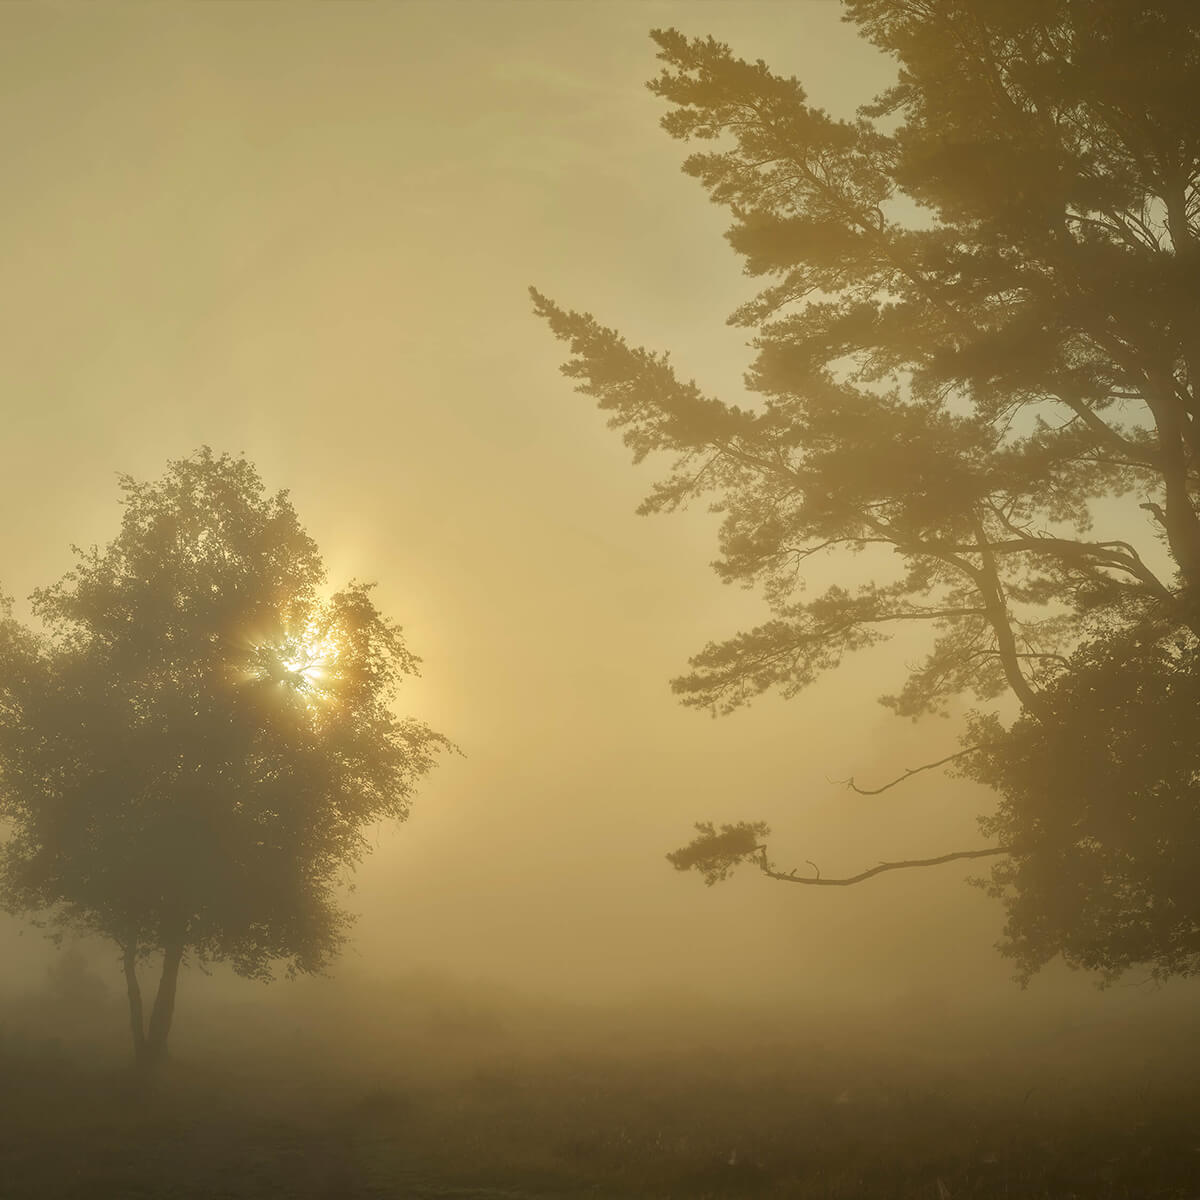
(816, 881)
(941, 762)
(1116, 554)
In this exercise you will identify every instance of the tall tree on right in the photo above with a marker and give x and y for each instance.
(980, 327)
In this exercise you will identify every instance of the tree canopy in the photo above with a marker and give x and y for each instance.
(1098, 800)
(194, 742)
(976, 357)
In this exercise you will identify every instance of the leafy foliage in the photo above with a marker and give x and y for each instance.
(1100, 800)
(192, 750)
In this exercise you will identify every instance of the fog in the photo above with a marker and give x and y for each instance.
(304, 233)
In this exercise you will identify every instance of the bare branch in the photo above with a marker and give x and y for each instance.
(791, 877)
(941, 762)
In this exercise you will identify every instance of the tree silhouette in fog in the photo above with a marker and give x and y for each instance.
(980, 327)
(193, 745)
(1103, 792)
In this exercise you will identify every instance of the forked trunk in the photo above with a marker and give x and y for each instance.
(150, 1041)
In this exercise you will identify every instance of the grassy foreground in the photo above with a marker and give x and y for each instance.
(438, 1096)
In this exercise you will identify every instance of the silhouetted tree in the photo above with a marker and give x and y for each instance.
(193, 745)
(981, 322)
(1100, 800)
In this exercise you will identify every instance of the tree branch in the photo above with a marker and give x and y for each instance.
(997, 613)
(817, 881)
(941, 762)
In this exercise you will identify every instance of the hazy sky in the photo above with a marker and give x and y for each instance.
(305, 232)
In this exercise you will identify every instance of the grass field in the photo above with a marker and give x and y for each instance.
(429, 1093)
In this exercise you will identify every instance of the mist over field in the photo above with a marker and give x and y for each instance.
(430, 1085)
(302, 235)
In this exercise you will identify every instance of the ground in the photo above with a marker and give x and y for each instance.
(468, 1104)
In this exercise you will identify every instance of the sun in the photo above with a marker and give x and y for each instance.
(302, 664)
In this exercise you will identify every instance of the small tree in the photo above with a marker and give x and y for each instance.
(981, 326)
(193, 745)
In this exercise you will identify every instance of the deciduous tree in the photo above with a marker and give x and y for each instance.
(195, 740)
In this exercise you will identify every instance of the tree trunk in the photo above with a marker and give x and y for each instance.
(164, 1005)
(134, 991)
(1179, 519)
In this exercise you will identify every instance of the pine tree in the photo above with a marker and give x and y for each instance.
(979, 326)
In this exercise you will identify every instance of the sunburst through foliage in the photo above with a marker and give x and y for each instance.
(303, 664)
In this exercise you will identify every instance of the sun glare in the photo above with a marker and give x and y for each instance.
(301, 663)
